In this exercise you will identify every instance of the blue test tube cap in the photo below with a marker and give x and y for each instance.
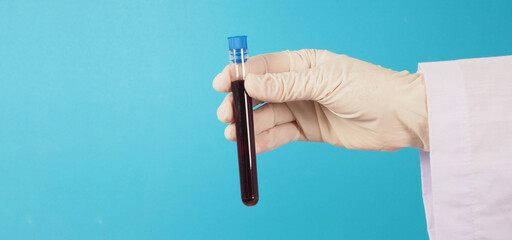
(237, 42)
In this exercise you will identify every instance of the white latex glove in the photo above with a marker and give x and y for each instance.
(320, 96)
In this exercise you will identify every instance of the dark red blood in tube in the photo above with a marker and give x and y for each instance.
(245, 143)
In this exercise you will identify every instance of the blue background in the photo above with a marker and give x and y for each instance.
(108, 126)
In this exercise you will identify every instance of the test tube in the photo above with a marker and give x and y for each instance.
(244, 123)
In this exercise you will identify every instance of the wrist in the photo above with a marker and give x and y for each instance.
(416, 112)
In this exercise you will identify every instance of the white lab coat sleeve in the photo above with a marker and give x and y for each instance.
(467, 175)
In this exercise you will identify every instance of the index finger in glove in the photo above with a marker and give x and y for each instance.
(266, 63)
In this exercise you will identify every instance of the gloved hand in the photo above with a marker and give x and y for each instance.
(320, 96)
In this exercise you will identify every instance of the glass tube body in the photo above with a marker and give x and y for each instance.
(244, 130)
